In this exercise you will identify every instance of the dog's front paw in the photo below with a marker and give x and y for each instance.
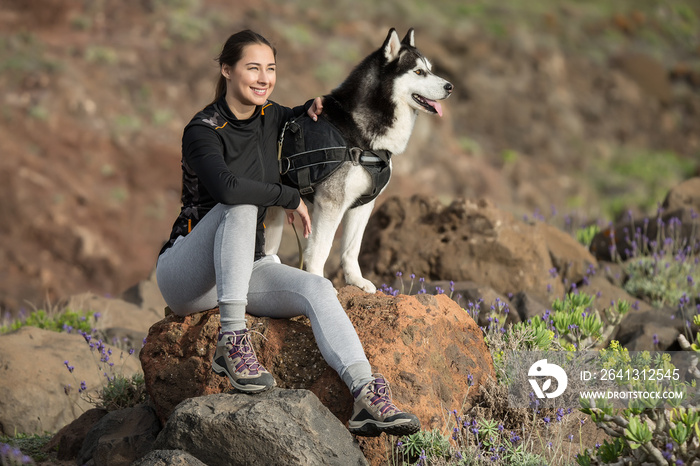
(362, 283)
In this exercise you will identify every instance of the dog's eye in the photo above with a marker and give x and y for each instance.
(420, 72)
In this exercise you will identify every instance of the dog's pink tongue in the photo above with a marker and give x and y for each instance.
(435, 105)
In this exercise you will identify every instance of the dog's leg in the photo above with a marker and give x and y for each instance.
(354, 224)
(274, 226)
(325, 219)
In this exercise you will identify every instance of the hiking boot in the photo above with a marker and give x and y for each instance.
(235, 358)
(374, 412)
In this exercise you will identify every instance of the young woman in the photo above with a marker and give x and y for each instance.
(215, 253)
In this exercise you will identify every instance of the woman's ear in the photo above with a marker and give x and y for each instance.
(226, 71)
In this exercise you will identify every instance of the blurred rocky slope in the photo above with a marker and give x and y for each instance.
(582, 108)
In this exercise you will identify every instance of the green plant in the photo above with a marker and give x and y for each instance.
(573, 323)
(646, 430)
(101, 55)
(123, 392)
(638, 178)
(585, 235)
(38, 112)
(423, 445)
(509, 156)
(23, 449)
(578, 322)
(118, 391)
(662, 280)
(24, 53)
(66, 320)
(486, 441)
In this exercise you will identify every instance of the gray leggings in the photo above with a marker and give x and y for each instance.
(214, 266)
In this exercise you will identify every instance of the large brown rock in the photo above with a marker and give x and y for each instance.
(465, 241)
(678, 218)
(37, 392)
(684, 196)
(176, 360)
(426, 346)
(572, 260)
(627, 238)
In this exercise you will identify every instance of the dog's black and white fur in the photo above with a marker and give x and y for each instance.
(374, 108)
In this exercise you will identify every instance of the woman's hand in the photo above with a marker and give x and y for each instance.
(316, 108)
(303, 214)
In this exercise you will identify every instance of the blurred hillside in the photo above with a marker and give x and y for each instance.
(583, 109)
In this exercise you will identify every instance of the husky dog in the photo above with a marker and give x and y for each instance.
(374, 109)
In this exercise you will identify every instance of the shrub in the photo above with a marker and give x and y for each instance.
(662, 280)
(55, 321)
(118, 390)
(646, 431)
(422, 445)
(663, 269)
(123, 392)
(13, 456)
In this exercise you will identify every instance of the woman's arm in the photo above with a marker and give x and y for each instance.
(203, 153)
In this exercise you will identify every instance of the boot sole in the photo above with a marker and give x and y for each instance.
(248, 388)
(371, 428)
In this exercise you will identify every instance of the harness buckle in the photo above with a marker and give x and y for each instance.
(355, 154)
(283, 171)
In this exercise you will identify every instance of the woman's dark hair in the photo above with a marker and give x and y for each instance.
(233, 51)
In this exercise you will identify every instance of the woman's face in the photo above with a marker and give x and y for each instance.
(251, 80)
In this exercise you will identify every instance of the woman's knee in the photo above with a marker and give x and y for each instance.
(238, 211)
(315, 285)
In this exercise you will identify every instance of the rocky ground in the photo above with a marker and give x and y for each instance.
(561, 107)
(428, 346)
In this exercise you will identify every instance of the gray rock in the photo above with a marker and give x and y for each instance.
(614, 272)
(684, 196)
(571, 259)
(607, 293)
(288, 427)
(168, 458)
(146, 295)
(637, 331)
(69, 440)
(528, 306)
(121, 437)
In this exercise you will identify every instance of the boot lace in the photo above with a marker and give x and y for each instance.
(241, 347)
(381, 396)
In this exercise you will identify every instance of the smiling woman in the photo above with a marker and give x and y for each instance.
(215, 255)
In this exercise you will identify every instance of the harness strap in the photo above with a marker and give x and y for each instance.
(377, 166)
(304, 176)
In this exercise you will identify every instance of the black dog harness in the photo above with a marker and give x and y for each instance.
(311, 151)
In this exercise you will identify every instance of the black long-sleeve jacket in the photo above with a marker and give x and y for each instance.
(231, 161)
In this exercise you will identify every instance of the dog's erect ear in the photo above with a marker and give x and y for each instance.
(391, 45)
(410, 38)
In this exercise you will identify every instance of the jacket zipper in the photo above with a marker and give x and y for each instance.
(260, 154)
